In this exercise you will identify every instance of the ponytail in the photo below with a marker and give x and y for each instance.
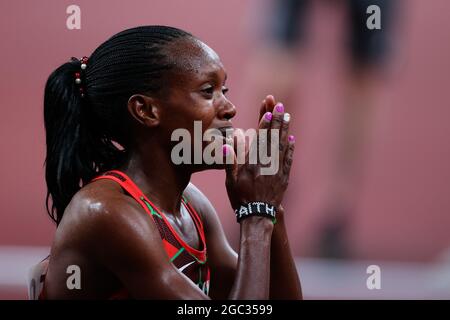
(76, 150)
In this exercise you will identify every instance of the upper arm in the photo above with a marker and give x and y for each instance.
(222, 258)
(128, 243)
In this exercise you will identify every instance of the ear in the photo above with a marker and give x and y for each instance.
(144, 109)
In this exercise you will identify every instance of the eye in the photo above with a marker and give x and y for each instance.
(208, 91)
(225, 90)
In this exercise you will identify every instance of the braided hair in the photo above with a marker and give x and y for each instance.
(86, 120)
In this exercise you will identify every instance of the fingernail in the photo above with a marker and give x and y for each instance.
(228, 140)
(291, 139)
(225, 150)
(268, 116)
(279, 107)
(286, 117)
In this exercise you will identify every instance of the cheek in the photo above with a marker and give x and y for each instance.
(200, 111)
(208, 118)
(183, 110)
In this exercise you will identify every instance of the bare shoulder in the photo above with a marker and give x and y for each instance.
(102, 210)
(97, 201)
(110, 236)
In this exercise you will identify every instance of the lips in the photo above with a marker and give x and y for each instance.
(226, 131)
(222, 135)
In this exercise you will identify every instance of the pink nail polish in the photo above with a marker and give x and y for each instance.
(279, 107)
(225, 150)
(268, 116)
(291, 139)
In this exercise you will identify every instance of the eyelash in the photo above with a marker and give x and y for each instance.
(210, 90)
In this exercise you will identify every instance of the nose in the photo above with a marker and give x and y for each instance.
(227, 111)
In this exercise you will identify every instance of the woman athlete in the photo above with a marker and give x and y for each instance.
(128, 219)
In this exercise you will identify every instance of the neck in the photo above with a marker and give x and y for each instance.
(158, 178)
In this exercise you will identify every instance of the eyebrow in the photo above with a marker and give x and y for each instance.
(215, 75)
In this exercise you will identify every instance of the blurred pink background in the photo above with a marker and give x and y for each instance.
(403, 206)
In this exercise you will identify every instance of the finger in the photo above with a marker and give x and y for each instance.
(263, 132)
(277, 116)
(229, 158)
(264, 122)
(270, 103)
(266, 105)
(284, 133)
(288, 157)
(275, 125)
(240, 146)
(251, 159)
(262, 109)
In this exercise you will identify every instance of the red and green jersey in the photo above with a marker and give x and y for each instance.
(190, 261)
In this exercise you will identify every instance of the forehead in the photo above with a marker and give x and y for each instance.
(193, 58)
